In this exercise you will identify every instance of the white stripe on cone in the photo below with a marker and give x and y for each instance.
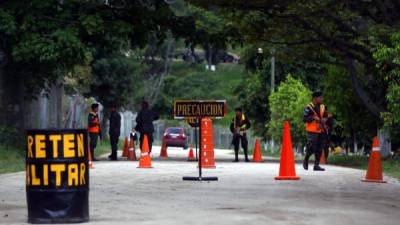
(376, 149)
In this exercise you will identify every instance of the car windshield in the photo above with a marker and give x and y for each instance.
(175, 130)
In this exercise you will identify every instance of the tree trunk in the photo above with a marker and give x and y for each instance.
(355, 145)
(155, 87)
(272, 144)
(195, 58)
(384, 134)
(384, 142)
(15, 110)
(42, 111)
(371, 106)
(57, 104)
(2, 105)
(104, 115)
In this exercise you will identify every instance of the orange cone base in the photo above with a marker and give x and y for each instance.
(145, 163)
(90, 163)
(287, 178)
(163, 154)
(208, 167)
(373, 181)
(258, 161)
(144, 167)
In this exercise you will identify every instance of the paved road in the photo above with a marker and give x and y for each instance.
(245, 194)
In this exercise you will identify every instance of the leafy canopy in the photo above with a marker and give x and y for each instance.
(388, 58)
(288, 103)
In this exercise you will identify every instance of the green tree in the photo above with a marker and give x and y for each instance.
(309, 28)
(308, 71)
(339, 32)
(352, 121)
(256, 86)
(43, 42)
(253, 93)
(388, 58)
(112, 80)
(288, 103)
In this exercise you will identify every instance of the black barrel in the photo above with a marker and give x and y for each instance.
(57, 176)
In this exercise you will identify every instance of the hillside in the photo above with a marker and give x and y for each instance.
(195, 82)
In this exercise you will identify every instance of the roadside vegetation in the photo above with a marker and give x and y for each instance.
(390, 166)
(12, 159)
(12, 153)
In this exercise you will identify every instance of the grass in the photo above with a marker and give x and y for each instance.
(104, 147)
(275, 154)
(264, 153)
(354, 161)
(390, 167)
(250, 152)
(12, 159)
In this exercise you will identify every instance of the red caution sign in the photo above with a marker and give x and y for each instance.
(207, 144)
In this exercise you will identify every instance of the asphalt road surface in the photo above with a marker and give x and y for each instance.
(246, 193)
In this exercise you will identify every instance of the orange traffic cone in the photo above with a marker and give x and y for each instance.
(145, 159)
(125, 149)
(131, 150)
(287, 170)
(374, 172)
(257, 157)
(90, 159)
(191, 155)
(163, 152)
(322, 159)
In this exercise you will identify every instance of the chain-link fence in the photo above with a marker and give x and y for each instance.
(222, 135)
(56, 111)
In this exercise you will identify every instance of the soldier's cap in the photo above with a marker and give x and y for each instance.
(95, 105)
(145, 104)
(238, 109)
(316, 94)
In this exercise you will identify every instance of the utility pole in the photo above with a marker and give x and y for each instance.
(260, 51)
(272, 86)
(272, 71)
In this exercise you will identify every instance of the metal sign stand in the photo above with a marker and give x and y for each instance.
(200, 177)
(196, 141)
